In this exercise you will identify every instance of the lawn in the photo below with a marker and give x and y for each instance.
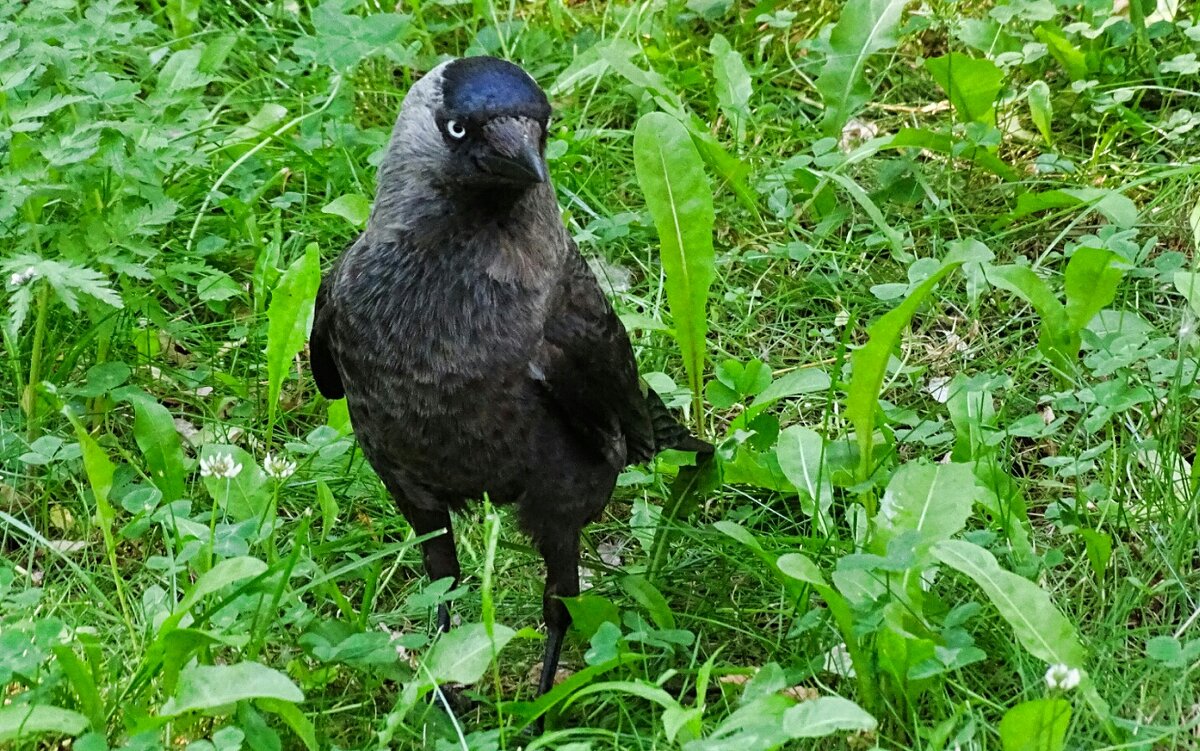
(943, 332)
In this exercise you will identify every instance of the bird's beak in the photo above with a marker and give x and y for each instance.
(515, 154)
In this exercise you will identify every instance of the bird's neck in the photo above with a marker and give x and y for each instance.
(515, 236)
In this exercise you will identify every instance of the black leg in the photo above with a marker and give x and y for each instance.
(439, 554)
(561, 553)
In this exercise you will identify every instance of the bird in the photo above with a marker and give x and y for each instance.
(476, 351)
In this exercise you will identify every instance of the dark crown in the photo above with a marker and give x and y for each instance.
(480, 88)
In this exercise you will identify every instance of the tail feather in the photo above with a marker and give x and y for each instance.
(668, 432)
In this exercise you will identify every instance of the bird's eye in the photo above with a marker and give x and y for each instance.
(455, 129)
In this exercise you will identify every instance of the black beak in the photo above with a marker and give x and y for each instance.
(515, 155)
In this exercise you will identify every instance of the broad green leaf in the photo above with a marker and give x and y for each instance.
(205, 687)
(267, 117)
(795, 383)
(648, 596)
(1038, 625)
(754, 725)
(865, 28)
(944, 143)
(1026, 284)
(463, 654)
(972, 412)
(352, 207)
(244, 496)
(221, 575)
(1090, 282)
(869, 362)
(180, 74)
(1037, 725)
(1194, 223)
(1068, 55)
(734, 85)
(1041, 111)
(155, 434)
(25, 722)
(1110, 204)
(932, 500)
(289, 317)
(801, 568)
(294, 718)
(183, 15)
(972, 84)
(645, 691)
(739, 533)
(824, 716)
(671, 175)
(83, 682)
(99, 469)
(1188, 285)
(800, 452)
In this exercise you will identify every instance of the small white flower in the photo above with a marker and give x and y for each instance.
(1062, 678)
(841, 319)
(21, 277)
(220, 466)
(278, 467)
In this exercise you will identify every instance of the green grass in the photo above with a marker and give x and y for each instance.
(164, 164)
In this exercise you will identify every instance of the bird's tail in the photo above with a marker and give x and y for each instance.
(669, 433)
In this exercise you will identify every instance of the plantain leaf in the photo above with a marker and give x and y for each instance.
(866, 27)
(971, 83)
(869, 363)
(289, 317)
(1038, 625)
(931, 500)
(1041, 111)
(1037, 725)
(203, 687)
(25, 722)
(671, 175)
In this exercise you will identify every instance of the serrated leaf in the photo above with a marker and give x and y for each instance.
(203, 687)
(865, 28)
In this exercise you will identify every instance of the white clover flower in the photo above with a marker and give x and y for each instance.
(1062, 678)
(21, 277)
(220, 466)
(278, 467)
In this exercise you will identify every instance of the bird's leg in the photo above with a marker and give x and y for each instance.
(439, 553)
(560, 550)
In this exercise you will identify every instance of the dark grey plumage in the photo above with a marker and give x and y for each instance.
(474, 347)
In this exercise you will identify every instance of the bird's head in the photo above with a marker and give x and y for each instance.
(472, 124)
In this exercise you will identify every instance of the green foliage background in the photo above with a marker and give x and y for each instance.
(949, 354)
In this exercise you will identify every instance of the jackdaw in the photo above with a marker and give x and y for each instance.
(475, 349)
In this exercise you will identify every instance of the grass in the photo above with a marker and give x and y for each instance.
(165, 167)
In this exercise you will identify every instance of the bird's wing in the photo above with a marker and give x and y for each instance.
(587, 367)
(320, 350)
